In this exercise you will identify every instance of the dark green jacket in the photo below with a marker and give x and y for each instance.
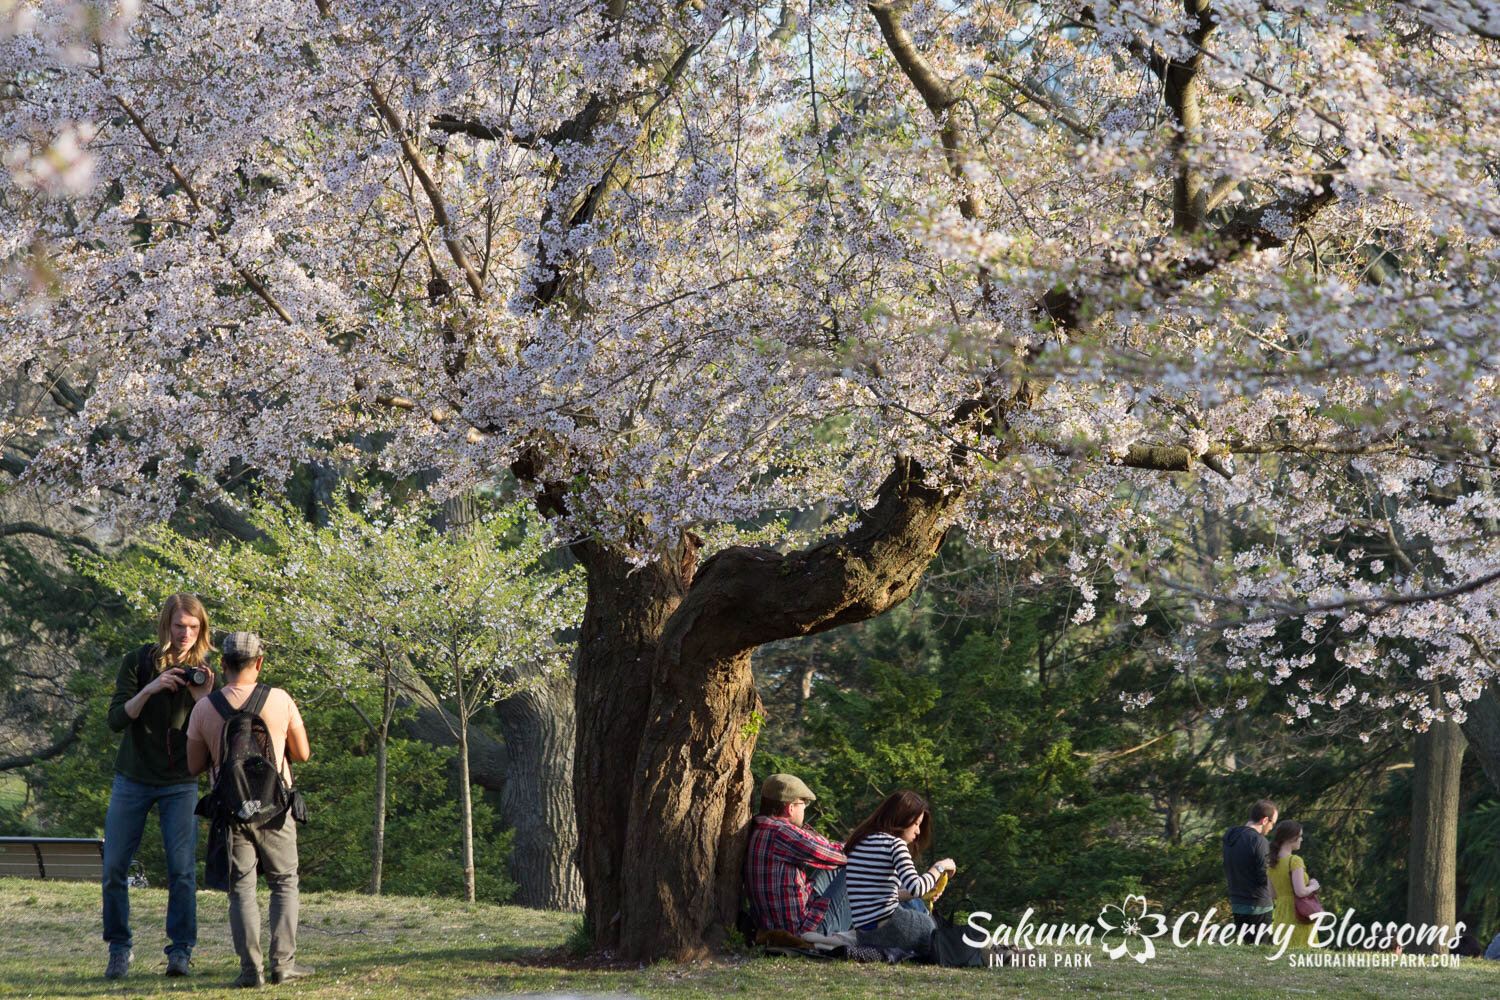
(154, 748)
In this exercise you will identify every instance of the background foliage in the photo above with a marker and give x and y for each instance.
(1049, 792)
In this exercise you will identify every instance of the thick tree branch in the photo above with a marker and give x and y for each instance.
(418, 164)
(1265, 227)
(745, 597)
(57, 748)
(453, 125)
(936, 93)
(1189, 193)
(246, 275)
(63, 393)
(580, 211)
(43, 531)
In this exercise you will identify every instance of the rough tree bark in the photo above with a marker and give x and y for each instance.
(1432, 866)
(666, 704)
(531, 770)
(623, 620)
(538, 724)
(1482, 728)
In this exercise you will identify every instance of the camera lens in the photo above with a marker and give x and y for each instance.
(195, 675)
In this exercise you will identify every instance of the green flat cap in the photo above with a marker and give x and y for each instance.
(785, 788)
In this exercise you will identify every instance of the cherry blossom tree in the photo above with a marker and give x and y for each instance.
(688, 269)
(366, 605)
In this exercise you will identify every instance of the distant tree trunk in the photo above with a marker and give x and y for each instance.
(1174, 816)
(1482, 728)
(1432, 866)
(538, 724)
(457, 515)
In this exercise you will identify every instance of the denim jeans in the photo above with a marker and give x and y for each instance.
(129, 802)
(908, 928)
(834, 884)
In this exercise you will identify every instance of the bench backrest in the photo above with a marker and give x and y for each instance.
(76, 858)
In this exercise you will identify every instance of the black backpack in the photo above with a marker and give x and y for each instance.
(249, 789)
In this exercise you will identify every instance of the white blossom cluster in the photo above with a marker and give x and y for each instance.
(697, 272)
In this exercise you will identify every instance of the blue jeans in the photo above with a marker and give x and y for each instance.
(129, 802)
(835, 885)
(909, 927)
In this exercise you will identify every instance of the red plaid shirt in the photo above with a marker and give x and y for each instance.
(779, 889)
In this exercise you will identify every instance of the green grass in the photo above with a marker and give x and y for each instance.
(396, 948)
(12, 791)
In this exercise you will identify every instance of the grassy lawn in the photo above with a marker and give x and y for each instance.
(398, 948)
(12, 791)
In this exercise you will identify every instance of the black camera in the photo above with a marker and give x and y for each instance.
(195, 675)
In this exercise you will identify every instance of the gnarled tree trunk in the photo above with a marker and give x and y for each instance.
(626, 611)
(666, 708)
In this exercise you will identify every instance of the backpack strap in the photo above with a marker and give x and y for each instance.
(145, 661)
(257, 700)
(220, 703)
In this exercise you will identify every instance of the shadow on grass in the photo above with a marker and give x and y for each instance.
(213, 979)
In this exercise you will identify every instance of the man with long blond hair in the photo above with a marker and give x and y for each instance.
(155, 691)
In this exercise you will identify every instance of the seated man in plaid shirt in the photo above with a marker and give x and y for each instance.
(782, 896)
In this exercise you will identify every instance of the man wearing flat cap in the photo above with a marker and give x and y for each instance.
(782, 895)
(271, 848)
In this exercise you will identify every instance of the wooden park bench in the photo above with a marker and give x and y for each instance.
(75, 858)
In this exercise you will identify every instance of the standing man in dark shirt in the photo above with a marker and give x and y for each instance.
(1246, 858)
(154, 695)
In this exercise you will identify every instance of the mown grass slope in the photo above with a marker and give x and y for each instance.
(399, 948)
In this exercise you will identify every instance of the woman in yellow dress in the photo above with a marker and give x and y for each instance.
(1289, 879)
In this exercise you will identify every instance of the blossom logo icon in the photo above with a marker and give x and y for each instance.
(1129, 928)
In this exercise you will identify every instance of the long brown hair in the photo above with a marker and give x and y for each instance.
(188, 604)
(1286, 831)
(899, 811)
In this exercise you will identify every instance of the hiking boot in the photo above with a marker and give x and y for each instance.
(293, 971)
(249, 979)
(177, 964)
(119, 965)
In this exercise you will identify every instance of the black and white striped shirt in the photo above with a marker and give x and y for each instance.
(877, 868)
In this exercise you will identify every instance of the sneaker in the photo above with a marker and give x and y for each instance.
(119, 964)
(249, 979)
(177, 964)
(293, 971)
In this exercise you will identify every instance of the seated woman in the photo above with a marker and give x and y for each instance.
(1289, 879)
(881, 875)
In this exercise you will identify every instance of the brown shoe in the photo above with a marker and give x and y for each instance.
(779, 939)
(290, 972)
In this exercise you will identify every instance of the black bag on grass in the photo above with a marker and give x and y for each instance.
(950, 949)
